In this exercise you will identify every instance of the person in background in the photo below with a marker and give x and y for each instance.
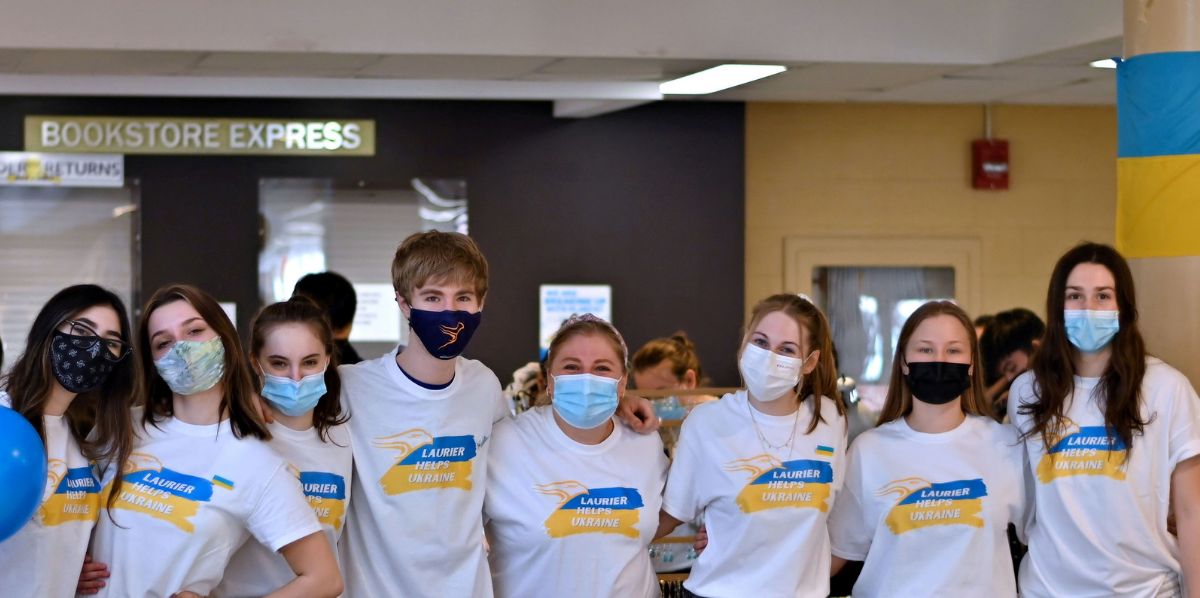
(336, 294)
(670, 363)
(981, 324)
(573, 496)
(1007, 346)
(765, 464)
(295, 359)
(1113, 441)
(76, 360)
(931, 491)
(201, 479)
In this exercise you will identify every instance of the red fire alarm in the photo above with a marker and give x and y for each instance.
(989, 164)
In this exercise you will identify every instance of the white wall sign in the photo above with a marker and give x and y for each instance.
(561, 301)
(62, 170)
(377, 319)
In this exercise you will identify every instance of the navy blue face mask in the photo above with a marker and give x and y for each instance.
(444, 334)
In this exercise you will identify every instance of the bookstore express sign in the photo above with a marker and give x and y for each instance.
(216, 136)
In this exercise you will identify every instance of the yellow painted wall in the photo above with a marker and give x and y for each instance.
(905, 169)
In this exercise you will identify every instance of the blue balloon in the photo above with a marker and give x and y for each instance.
(23, 469)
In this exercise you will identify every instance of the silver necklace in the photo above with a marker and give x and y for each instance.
(766, 444)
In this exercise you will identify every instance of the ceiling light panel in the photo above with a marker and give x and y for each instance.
(718, 78)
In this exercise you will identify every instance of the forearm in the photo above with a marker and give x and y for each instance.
(310, 586)
(1188, 527)
(667, 524)
(317, 575)
(836, 564)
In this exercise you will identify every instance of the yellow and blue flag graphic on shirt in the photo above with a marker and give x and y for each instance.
(922, 503)
(161, 493)
(1158, 155)
(1087, 450)
(594, 511)
(424, 462)
(75, 494)
(804, 483)
(326, 493)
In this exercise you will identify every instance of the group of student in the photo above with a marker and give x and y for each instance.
(407, 475)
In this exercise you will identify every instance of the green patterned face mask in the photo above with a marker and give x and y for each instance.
(190, 367)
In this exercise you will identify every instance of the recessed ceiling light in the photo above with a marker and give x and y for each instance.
(1107, 63)
(718, 78)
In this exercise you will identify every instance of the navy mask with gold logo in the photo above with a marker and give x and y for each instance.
(444, 334)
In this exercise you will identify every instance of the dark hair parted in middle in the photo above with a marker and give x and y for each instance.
(1053, 366)
(237, 382)
(303, 310)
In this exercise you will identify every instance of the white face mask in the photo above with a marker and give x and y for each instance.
(769, 375)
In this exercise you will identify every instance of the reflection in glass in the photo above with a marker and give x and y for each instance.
(54, 237)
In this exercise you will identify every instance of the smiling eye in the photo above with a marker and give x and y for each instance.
(760, 342)
(925, 350)
(432, 299)
(1105, 296)
(310, 362)
(162, 345)
(278, 364)
(788, 350)
(1074, 296)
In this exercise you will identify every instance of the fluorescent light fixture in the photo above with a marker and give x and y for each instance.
(718, 78)
(1107, 63)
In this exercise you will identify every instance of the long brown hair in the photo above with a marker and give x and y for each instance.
(1054, 367)
(899, 397)
(31, 379)
(678, 349)
(237, 381)
(584, 325)
(822, 381)
(300, 309)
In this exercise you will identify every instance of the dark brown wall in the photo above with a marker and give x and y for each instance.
(649, 200)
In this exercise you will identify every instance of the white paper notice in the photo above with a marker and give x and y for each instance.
(561, 301)
(378, 318)
(230, 308)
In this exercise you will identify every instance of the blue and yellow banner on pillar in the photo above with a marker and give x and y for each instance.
(1158, 155)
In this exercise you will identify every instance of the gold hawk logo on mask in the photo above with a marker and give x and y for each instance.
(452, 333)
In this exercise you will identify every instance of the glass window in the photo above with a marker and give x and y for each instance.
(311, 225)
(54, 237)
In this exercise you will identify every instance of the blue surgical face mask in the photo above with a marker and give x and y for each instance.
(1091, 331)
(294, 397)
(191, 367)
(444, 334)
(585, 400)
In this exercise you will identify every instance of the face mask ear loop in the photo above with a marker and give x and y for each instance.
(800, 383)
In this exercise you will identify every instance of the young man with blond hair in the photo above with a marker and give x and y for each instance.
(419, 424)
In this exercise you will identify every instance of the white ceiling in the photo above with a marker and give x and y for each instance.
(928, 51)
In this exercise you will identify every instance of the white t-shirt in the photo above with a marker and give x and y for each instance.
(929, 513)
(415, 524)
(1101, 525)
(765, 508)
(44, 557)
(191, 496)
(323, 468)
(568, 519)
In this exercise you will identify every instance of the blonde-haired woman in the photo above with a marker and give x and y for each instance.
(763, 465)
(930, 492)
(572, 496)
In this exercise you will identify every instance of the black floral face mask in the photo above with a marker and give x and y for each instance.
(78, 367)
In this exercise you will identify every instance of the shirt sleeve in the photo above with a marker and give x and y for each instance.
(681, 498)
(282, 514)
(849, 533)
(1184, 427)
(500, 408)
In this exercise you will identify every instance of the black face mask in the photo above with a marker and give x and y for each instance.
(77, 368)
(938, 382)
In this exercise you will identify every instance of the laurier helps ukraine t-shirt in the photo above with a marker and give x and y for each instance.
(191, 496)
(929, 513)
(1101, 524)
(323, 468)
(765, 508)
(415, 522)
(44, 557)
(572, 520)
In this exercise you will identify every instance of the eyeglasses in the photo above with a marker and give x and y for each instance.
(85, 337)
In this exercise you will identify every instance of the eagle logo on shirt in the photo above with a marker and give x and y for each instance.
(1087, 450)
(161, 493)
(70, 494)
(921, 503)
(425, 462)
(772, 484)
(595, 511)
